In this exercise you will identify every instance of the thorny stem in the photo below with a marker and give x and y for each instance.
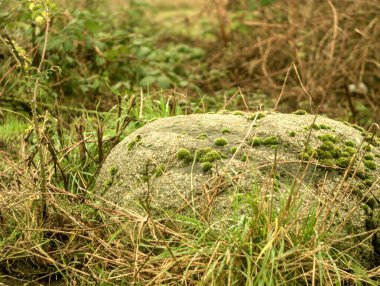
(35, 119)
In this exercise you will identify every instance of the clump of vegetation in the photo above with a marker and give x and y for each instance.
(185, 155)
(238, 112)
(202, 136)
(300, 112)
(206, 166)
(349, 143)
(369, 164)
(256, 115)
(220, 141)
(268, 141)
(159, 170)
(233, 150)
(328, 138)
(226, 131)
(207, 155)
(292, 133)
(135, 142)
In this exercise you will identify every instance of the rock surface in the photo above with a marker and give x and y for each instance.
(190, 163)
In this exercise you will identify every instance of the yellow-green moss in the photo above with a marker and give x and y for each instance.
(226, 131)
(220, 141)
(113, 170)
(368, 157)
(159, 170)
(292, 133)
(135, 142)
(349, 143)
(207, 155)
(185, 155)
(324, 126)
(202, 136)
(361, 129)
(300, 112)
(328, 138)
(256, 115)
(206, 166)
(268, 141)
(243, 158)
(371, 165)
(238, 112)
(233, 150)
(272, 140)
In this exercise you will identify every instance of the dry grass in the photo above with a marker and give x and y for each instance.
(333, 45)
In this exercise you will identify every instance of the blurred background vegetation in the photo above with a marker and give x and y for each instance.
(209, 51)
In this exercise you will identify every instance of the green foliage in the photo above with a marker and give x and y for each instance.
(88, 56)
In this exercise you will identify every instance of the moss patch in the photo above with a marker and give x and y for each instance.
(300, 112)
(206, 166)
(207, 155)
(256, 115)
(268, 141)
(202, 136)
(220, 141)
(185, 155)
(135, 142)
(226, 131)
(371, 165)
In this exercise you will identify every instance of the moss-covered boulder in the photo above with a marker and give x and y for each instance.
(193, 162)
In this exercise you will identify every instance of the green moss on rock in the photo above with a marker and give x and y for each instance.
(268, 141)
(202, 136)
(206, 166)
(256, 115)
(349, 143)
(220, 141)
(328, 138)
(371, 165)
(207, 155)
(226, 131)
(300, 112)
(233, 150)
(185, 155)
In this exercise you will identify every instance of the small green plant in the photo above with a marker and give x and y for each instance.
(371, 165)
(300, 112)
(207, 155)
(233, 150)
(269, 141)
(328, 138)
(226, 131)
(202, 136)
(324, 126)
(206, 166)
(349, 143)
(220, 141)
(292, 134)
(185, 155)
(256, 115)
(159, 170)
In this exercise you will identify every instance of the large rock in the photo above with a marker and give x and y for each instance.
(198, 162)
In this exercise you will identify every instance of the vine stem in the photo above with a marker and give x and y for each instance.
(36, 122)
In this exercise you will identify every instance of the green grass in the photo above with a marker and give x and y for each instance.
(12, 127)
(266, 244)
